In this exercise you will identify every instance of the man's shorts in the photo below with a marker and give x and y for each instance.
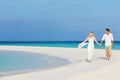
(108, 50)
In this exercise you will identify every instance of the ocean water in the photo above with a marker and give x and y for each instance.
(16, 61)
(65, 44)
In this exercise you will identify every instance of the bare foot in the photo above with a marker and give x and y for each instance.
(89, 61)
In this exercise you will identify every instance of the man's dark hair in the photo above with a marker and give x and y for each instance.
(107, 29)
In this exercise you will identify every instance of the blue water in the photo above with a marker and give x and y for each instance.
(65, 44)
(14, 61)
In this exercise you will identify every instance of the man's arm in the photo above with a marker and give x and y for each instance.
(103, 38)
(112, 40)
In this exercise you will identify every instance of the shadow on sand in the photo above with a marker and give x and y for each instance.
(101, 58)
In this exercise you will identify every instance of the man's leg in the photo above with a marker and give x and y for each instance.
(109, 56)
(107, 52)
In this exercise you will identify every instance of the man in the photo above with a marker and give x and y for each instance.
(109, 40)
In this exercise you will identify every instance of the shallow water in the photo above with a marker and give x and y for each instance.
(15, 60)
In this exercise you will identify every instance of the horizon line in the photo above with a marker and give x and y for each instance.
(51, 41)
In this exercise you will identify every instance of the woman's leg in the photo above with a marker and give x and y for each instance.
(89, 54)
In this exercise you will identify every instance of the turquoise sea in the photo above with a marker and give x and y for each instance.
(64, 44)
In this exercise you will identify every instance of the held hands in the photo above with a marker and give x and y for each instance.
(100, 44)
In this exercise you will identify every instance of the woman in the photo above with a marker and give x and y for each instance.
(91, 38)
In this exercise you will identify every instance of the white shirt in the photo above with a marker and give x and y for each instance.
(108, 39)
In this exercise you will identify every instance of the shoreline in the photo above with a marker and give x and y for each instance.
(77, 67)
(102, 48)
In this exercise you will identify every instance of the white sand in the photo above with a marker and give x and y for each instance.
(78, 69)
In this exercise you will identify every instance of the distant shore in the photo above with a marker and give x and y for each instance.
(58, 44)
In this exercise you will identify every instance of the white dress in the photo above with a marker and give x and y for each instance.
(90, 47)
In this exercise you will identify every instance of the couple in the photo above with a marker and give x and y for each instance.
(107, 37)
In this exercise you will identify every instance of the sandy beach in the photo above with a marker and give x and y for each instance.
(78, 69)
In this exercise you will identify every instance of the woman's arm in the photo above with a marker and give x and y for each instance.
(97, 42)
(85, 40)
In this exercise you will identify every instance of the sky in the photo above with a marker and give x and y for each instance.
(58, 20)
